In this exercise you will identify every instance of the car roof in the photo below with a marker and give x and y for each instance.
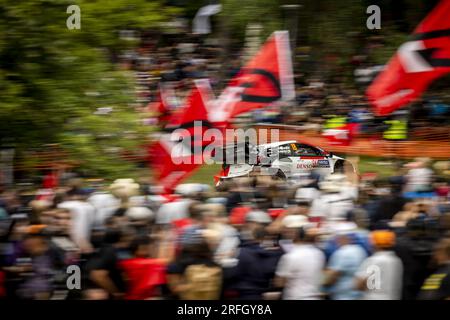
(276, 144)
(280, 143)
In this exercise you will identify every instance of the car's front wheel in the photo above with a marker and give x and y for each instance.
(339, 167)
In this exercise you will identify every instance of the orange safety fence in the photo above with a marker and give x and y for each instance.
(366, 146)
(431, 133)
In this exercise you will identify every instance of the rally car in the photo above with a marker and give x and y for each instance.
(284, 160)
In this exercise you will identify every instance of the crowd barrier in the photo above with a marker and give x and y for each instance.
(366, 146)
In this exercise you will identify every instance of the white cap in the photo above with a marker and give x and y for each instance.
(295, 221)
(344, 228)
(258, 217)
(124, 188)
(187, 189)
(139, 213)
(333, 183)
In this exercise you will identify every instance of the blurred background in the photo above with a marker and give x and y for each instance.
(78, 109)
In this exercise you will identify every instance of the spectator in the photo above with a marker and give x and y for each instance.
(144, 275)
(255, 269)
(299, 271)
(82, 217)
(380, 275)
(38, 284)
(437, 285)
(420, 176)
(195, 275)
(105, 276)
(342, 266)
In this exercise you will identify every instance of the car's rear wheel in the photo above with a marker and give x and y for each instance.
(279, 175)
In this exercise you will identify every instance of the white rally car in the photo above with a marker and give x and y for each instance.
(284, 159)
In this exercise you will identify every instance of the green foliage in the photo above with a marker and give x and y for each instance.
(384, 53)
(237, 14)
(54, 79)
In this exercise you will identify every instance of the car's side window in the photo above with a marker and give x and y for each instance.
(303, 150)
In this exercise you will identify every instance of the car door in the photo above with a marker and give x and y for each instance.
(307, 158)
(280, 160)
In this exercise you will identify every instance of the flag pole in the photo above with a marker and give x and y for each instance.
(291, 23)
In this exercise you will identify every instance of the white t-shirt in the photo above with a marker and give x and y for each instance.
(307, 193)
(82, 219)
(302, 268)
(105, 205)
(418, 179)
(171, 211)
(384, 272)
(332, 206)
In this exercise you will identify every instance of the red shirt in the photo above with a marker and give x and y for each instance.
(2, 283)
(238, 214)
(143, 276)
(180, 224)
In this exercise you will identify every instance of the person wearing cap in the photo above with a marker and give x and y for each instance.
(343, 264)
(299, 271)
(289, 227)
(308, 188)
(254, 220)
(380, 276)
(298, 207)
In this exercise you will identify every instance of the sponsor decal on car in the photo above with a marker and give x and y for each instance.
(313, 164)
(323, 163)
(305, 166)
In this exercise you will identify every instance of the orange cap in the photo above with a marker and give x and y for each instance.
(383, 238)
(35, 228)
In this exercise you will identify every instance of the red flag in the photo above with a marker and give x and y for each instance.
(162, 105)
(418, 62)
(266, 78)
(178, 154)
(341, 136)
(167, 173)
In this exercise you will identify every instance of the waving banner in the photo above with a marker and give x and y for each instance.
(266, 78)
(163, 106)
(418, 62)
(179, 150)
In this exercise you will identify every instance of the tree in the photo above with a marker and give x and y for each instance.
(238, 14)
(54, 79)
